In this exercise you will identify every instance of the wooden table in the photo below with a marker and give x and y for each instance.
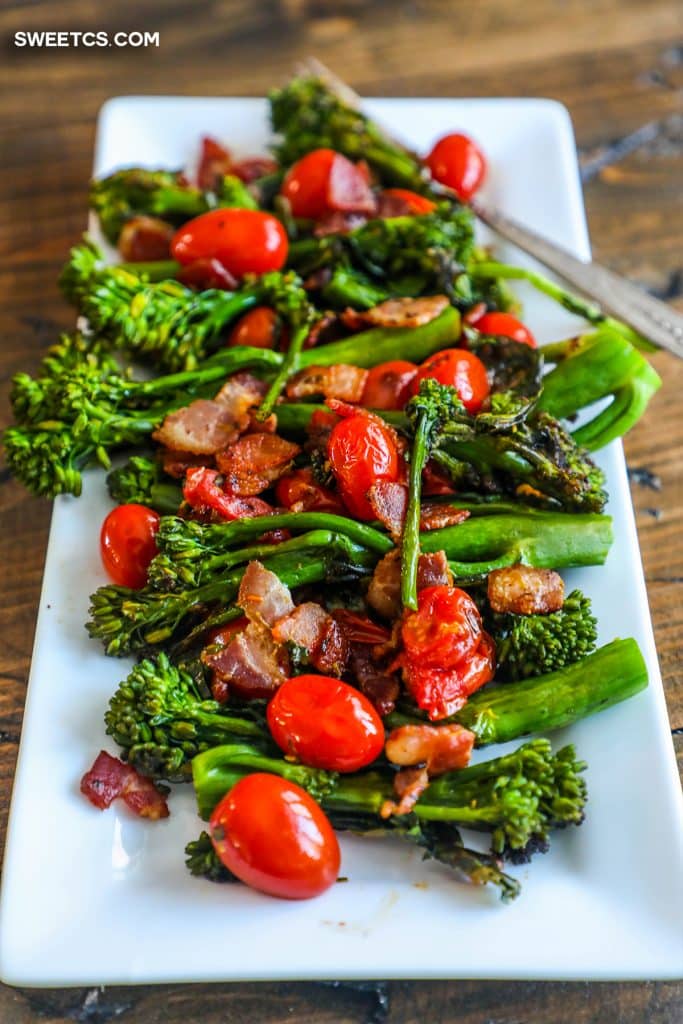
(618, 66)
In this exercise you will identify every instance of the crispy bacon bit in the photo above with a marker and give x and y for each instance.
(311, 627)
(341, 381)
(390, 205)
(214, 162)
(318, 279)
(434, 516)
(380, 687)
(207, 272)
(176, 464)
(389, 501)
(240, 394)
(322, 330)
(441, 748)
(338, 223)
(435, 481)
(320, 427)
(359, 629)
(348, 188)
(253, 167)
(254, 462)
(201, 428)
(474, 313)
(397, 313)
(109, 778)
(251, 666)
(409, 785)
(207, 498)
(384, 592)
(523, 590)
(263, 597)
(144, 239)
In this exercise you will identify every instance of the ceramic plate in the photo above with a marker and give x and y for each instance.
(93, 897)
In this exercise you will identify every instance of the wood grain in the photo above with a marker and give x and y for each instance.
(618, 66)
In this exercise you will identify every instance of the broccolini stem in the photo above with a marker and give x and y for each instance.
(153, 271)
(410, 552)
(289, 367)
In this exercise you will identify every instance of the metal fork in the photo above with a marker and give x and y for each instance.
(654, 320)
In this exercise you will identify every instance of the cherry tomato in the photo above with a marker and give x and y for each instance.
(275, 838)
(445, 629)
(324, 181)
(416, 203)
(127, 544)
(244, 241)
(456, 161)
(301, 492)
(507, 326)
(259, 328)
(362, 450)
(442, 692)
(460, 369)
(207, 272)
(144, 239)
(388, 385)
(325, 723)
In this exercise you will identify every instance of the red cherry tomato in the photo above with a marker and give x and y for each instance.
(507, 326)
(442, 692)
(127, 544)
(325, 723)
(444, 630)
(244, 241)
(459, 369)
(362, 450)
(301, 492)
(324, 181)
(208, 272)
(416, 203)
(387, 386)
(275, 838)
(259, 328)
(456, 161)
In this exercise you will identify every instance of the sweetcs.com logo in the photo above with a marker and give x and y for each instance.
(75, 39)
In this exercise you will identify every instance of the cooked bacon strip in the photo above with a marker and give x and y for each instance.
(109, 778)
(397, 313)
(240, 394)
(342, 381)
(311, 627)
(251, 666)
(214, 162)
(207, 498)
(254, 462)
(176, 464)
(359, 629)
(144, 239)
(434, 516)
(390, 205)
(380, 687)
(389, 502)
(441, 748)
(348, 188)
(262, 596)
(253, 167)
(409, 785)
(202, 428)
(523, 590)
(384, 592)
(338, 223)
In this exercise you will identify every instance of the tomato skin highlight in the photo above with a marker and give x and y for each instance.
(274, 837)
(325, 723)
(259, 328)
(244, 241)
(507, 326)
(457, 161)
(418, 204)
(388, 385)
(128, 545)
(362, 450)
(458, 368)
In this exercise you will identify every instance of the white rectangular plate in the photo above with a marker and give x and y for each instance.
(92, 897)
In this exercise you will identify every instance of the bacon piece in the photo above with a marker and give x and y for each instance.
(359, 629)
(201, 428)
(348, 188)
(409, 785)
(109, 778)
(251, 666)
(254, 462)
(434, 516)
(435, 481)
(403, 312)
(322, 330)
(176, 464)
(206, 497)
(523, 590)
(338, 223)
(311, 627)
(240, 394)
(391, 205)
(144, 239)
(441, 748)
(380, 687)
(253, 167)
(262, 596)
(341, 381)
(384, 592)
(214, 162)
(389, 502)
(318, 279)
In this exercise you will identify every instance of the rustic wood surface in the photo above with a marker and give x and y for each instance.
(618, 66)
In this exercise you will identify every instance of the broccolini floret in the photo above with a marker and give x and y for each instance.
(142, 481)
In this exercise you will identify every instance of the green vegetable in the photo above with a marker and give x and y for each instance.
(142, 481)
(529, 645)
